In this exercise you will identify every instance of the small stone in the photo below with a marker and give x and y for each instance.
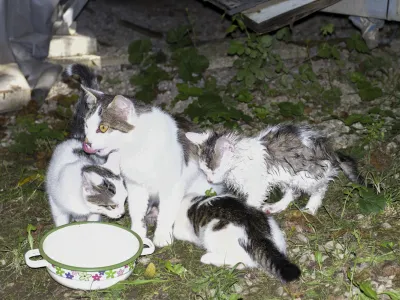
(144, 260)
(358, 126)
(329, 245)
(301, 237)
(296, 250)
(303, 258)
(391, 147)
(3, 262)
(359, 217)
(386, 225)
(339, 246)
(110, 90)
(280, 291)
(11, 284)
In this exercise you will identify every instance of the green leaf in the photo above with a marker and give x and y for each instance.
(289, 109)
(324, 50)
(394, 295)
(190, 64)
(332, 95)
(354, 118)
(335, 52)
(261, 112)
(367, 290)
(186, 91)
(327, 29)
(176, 269)
(236, 47)
(29, 230)
(266, 41)
(210, 192)
(371, 93)
(244, 96)
(231, 29)
(138, 49)
(284, 34)
(370, 202)
(356, 42)
(179, 37)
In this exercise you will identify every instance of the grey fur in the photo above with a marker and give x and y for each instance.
(103, 172)
(228, 209)
(304, 155)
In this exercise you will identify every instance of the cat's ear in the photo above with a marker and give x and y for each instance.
(224, 145)
(91, 95)
(197, 138)
(89, 181)
(123, 106)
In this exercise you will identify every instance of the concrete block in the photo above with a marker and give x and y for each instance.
(72, 45)
(14, 89)
(93, 61)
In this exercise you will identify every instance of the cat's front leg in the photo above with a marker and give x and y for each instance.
(281, 205)
(94, 218)
(138, 198)
(257, 194)
(170, 199)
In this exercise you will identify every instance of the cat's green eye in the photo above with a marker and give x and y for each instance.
(103, 128)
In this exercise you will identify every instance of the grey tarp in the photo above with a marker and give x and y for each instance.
(26, 28)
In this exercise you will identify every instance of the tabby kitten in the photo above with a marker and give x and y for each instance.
(295, 158)
(233, 232)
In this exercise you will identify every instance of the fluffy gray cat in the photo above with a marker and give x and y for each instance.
(294, 158)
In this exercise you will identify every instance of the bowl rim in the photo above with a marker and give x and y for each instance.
(90, 269)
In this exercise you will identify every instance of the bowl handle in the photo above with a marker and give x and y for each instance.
(35, 263)
(149, 243)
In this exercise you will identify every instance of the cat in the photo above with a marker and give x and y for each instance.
(233, 232)
(295, 158)
(80, 189)
(157, 160)
(85, 76)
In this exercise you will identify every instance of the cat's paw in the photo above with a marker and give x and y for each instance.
(273, 208)
(310, 210)
(162, 238)
(139, 229)
(212, 259)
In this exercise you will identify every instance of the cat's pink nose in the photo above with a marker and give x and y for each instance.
(209, 180)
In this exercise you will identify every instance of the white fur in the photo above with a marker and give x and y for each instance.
(66, 187)
(243, 169)
(152, 163)
(222, 246)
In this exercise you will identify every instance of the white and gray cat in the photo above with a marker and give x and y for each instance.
(233, 232)
(294, 158)
(156, 159)
(80, 189)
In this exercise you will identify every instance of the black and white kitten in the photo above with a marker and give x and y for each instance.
(233, 232)
(80, 189)
(295, 158)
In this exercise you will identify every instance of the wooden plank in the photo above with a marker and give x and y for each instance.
(232, 7)
(362, 8)
(275, 18)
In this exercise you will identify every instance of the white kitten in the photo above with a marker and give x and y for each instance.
(294, 158)
(233, 232)
(80, 189)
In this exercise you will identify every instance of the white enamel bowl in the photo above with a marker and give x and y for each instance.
(89, 255)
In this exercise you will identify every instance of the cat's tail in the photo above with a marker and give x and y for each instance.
(81, 73)
(349, 168)
(268, 249)
(264, 253)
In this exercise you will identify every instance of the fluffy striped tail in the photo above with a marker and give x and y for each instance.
(264, 252)
(83, 74)
(349, 168)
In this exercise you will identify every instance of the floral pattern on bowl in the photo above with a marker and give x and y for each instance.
(94, 276)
